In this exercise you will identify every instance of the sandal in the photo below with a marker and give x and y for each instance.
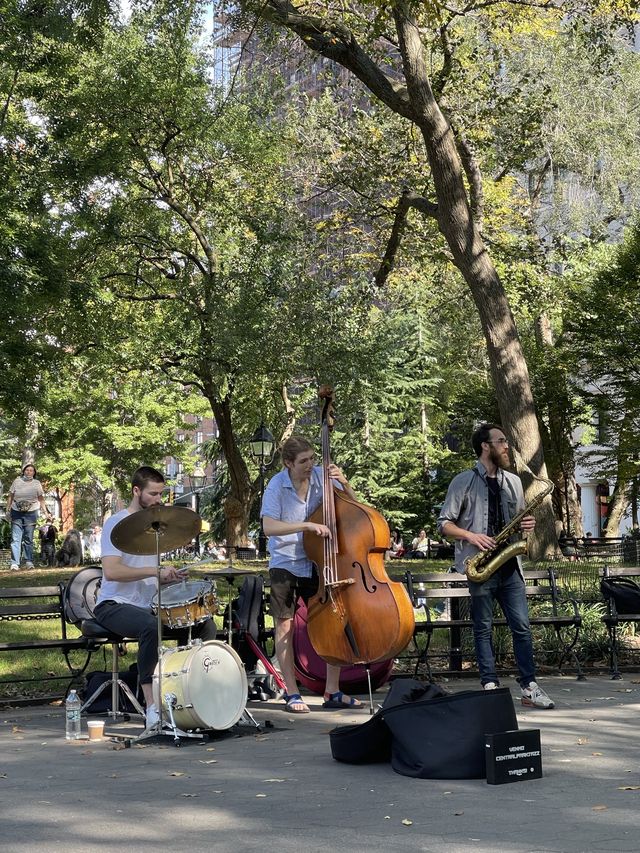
(336, 701)
(293, 699)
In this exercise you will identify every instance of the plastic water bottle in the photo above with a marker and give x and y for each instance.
(72, 709)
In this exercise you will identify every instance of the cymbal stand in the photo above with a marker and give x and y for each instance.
(246, 714)
(230, 600)
(158, 728)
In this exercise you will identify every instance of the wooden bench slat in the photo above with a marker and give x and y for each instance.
(17, 610)
(31, 603)
(30, 592)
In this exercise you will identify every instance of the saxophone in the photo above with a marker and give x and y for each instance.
(482, 565)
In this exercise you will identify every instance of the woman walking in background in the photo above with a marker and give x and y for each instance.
(26, 498)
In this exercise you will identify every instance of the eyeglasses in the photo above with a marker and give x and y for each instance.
(498, 441)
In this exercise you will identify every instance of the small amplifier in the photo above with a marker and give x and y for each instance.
(513, 756)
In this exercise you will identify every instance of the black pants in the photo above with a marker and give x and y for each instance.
(127, 620)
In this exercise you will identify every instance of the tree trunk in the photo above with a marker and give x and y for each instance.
(618, 505)
(508, 366)
(242, 492)
(453, 213)
(556, 438)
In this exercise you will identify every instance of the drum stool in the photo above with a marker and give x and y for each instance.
(95, 631)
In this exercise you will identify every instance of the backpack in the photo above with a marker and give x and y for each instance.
(81, 593)
(623, 592)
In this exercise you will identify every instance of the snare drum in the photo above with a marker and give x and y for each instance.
(206, 685)
(186, 603)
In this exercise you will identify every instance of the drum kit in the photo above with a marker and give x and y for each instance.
(202, 685)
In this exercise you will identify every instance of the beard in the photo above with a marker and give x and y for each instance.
(145, 504)
(500, 458)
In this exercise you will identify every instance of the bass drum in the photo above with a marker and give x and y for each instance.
(208, 682)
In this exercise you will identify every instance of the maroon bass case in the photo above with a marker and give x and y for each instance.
(311, 670)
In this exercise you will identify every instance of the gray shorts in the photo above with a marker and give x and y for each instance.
(286, 588)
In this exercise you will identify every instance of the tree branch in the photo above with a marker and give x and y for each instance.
(337, 42)
(407, 200)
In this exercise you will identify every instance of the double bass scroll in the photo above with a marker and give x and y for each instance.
(359, 615)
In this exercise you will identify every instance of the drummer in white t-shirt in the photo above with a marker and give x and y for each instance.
(129, 585)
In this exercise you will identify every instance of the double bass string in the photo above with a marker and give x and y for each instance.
(330, 571)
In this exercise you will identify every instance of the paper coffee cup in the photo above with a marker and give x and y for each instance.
(96, 729)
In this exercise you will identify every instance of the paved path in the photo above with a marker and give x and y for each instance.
(281, 790)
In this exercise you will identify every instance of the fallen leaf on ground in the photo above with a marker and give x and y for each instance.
(629, 788)
(582, 740)
(457, 814)
(599, 808)
(261, 796)
(188, 795)
(407, 822)
(176, 773)
(16, 729)
(210, 761)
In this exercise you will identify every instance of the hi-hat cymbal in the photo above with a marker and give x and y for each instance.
(231, 572)
(136, 534)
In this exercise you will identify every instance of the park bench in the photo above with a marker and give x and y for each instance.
(445, 601)
(35, 603)
(612, 619)
(611, 549)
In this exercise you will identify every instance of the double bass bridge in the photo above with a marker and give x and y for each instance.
(336, 584)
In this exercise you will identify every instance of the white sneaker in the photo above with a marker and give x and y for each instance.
(534, 696)
(490, 685)
(152, 716)
(29, 566)
(14, 567)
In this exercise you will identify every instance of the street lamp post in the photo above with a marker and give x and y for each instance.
(198, 480)
(262, 444)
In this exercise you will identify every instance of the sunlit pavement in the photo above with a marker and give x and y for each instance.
(249, 790)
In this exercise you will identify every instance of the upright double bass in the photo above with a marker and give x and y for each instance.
(359, 615)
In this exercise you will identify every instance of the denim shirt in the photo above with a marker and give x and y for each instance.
(282, 502)
(467, 505)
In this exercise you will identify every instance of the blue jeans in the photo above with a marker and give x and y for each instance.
(23, 525)
(509, 592)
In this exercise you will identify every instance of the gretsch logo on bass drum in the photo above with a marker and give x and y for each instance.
(208, 663)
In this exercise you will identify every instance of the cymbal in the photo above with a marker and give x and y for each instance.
(136, 534)
(231, 572)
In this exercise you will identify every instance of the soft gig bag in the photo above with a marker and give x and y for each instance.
(370, 742)
(443, 738)
(624, 592)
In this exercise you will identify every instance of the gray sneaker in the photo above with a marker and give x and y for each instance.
(29, 566)
(534, 696)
